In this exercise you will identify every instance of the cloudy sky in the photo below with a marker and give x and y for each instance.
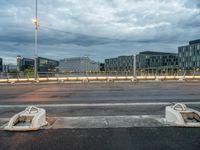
(96, 28)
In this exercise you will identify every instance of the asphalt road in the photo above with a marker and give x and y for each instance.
(13, 98)
(167, 138)
(99, 92)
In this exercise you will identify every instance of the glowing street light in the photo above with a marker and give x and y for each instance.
(35, 21)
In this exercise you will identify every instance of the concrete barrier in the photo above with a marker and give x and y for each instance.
(180, 115)
(32, 118)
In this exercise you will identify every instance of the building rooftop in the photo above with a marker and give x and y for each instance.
(47, 58)
(194, 42)
(20, 57)
(156, 53)
(122, 56)
(76, 58)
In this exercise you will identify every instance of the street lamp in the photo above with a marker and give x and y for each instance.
(35, 22)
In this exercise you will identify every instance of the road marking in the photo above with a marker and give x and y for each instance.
(104, 121)
(98, 104)
(109, 121)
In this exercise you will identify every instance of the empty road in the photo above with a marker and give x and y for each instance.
(97, 100)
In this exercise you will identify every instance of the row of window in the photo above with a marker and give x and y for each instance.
(189, 64)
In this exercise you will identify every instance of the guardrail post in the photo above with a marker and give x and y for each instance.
(184, 74)
(27, 76)
(193, 72)
(7, 76)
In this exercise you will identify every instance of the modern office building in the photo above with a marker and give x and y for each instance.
(1, 65)
(102, 67)
(44, 64)
(47, 65)
(24, 63)
(156, 61)
(121, 63)
(7, 68)
(189, 56)
(78, 64)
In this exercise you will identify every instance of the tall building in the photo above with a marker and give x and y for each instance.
(78, 64)
(1, 65)
(156, 61)
(43, 64)
(189, 55)
(121, 63)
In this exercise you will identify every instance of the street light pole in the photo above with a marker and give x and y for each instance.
(134, 59)
(35, 22)
(134, 66)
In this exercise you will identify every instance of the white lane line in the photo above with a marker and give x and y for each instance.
(99, 104)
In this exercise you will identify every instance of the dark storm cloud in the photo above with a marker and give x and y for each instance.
(99, 28)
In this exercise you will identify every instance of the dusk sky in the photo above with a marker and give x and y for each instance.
(96, 28)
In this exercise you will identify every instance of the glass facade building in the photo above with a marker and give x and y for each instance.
(121, 63)
(44, 64)
(78, 64)
(1, 65)
(189, 55)
(47, 65)
(24, 63)
(149, 60)
(102, 67)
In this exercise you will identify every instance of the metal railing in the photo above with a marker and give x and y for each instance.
(98, 76)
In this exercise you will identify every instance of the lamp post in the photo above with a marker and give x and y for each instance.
(134, 66)
(35, 22)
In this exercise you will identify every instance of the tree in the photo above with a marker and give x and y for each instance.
(29, 72)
